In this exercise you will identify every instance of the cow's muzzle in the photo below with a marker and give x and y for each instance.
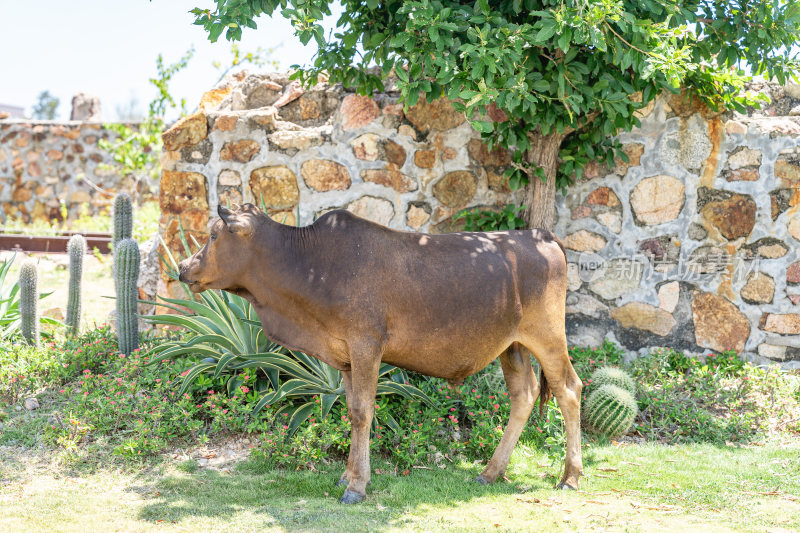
(182, 274)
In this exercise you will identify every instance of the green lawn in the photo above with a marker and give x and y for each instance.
(627, 488)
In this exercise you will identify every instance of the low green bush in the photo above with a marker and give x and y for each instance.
(135, 407)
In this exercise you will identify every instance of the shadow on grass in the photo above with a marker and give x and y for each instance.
(303, 500)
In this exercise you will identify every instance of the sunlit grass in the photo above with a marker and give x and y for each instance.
(629, 488)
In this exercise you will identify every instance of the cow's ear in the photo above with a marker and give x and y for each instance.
(235, 223)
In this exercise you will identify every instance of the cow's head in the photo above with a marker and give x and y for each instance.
(224, 261)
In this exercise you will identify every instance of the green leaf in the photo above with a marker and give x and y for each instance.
(541, 85)
(546, 32)
(299, 416)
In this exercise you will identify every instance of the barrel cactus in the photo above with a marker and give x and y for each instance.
(610, 375)
(29, 302)
(123, 218)
(76, 248)
(609, 410)
(126, 274)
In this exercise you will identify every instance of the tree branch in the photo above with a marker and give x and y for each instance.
(587, 120)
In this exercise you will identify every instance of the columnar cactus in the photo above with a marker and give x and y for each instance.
(123, 218)
(29, 302)
(609, 375)
(126, 274)
(76, 248)
(609, 410)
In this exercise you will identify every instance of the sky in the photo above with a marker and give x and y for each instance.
(109, 47)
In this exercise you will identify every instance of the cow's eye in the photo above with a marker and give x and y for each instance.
(213, 236)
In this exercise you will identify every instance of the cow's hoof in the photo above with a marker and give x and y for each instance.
(482, 480)
(566, 486)
(341, 482)
(351, 497)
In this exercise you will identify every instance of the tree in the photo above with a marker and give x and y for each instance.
(558, 78)
(46, 107)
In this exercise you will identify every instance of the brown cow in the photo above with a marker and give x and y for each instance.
(353, 294)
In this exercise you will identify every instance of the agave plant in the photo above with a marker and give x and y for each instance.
(224, 330)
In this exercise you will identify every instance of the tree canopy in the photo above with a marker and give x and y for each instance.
(46, 107)
(563, 76)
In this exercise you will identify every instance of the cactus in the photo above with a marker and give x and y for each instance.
(76, 248)
(609, 375)
(29, 302)
(126, 276)
(123, 218)
(609, 410)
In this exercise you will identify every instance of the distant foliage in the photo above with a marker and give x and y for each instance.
(46, 107)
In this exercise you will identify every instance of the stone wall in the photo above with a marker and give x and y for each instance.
(693, 243)
(43, 164)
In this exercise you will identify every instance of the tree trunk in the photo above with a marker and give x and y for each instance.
(540, 196)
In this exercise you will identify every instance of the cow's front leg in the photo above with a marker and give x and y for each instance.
(361, 408)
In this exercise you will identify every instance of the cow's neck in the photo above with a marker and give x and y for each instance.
(277, 286)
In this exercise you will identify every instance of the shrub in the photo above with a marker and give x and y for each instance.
(609, 411)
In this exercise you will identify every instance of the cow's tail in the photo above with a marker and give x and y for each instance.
(544, 393)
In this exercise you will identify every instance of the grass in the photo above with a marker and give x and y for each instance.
(627, 488)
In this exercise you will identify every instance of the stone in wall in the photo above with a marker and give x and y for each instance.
(456, 188)
(718, 323)
(417, 215)
(358, 111)
(584, 241)
(438, 115)
(634, 153)
(325, 175)
(372, 208)
(389, 177)
(239, 151)
(276, 186)
(759, 289)
(187, 131)
(688, 147)
(732, 214)
(644, 316)
(619, 276)
(657, 200)
(786, 324)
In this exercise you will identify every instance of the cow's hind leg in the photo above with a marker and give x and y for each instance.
(522, 390)
(347, 378)
(549, 346)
